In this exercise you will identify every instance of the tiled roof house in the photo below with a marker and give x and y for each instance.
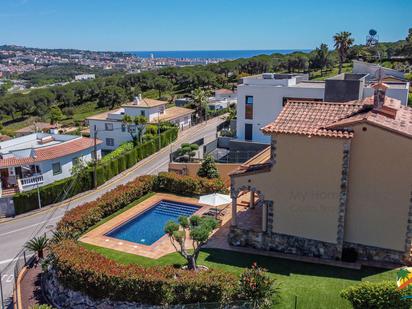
(336, 184)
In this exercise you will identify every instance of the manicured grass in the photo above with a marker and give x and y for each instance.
(315, 286)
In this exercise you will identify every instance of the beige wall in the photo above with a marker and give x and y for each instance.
(192, 168)
(380, 184)
(304, 186)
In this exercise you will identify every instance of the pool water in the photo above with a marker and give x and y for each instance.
(148, 227)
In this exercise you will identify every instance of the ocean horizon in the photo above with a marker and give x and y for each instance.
(212, 54)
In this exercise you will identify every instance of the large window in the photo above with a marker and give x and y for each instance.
(57, 168)
(143, 113)
(109, 141)
(249, 107)
(248, 131)
(108, 126)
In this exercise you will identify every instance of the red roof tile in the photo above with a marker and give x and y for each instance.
(52, 152)
(311, 118)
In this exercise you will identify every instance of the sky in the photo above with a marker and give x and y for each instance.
(136, 25)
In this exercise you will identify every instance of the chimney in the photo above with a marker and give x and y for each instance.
(379, 95)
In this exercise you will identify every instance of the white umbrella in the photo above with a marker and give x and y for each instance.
(215, 199)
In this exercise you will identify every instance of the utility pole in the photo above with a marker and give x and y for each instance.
(34, 156)
(95, 157)
(158, 131)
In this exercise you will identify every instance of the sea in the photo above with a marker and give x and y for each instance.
(212, 54)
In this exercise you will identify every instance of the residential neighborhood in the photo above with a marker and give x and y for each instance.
(150, 158)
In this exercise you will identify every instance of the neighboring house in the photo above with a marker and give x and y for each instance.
(337, 183)
(223, 98)
(40, 159)
(225, 94)
(113, 131)
(44, 127)
(373, 70)
(262, 97)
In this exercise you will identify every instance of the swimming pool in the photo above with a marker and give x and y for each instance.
(148, 227)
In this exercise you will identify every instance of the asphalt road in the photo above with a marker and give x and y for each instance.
(16, 232)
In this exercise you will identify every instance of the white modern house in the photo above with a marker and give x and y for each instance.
(113, 131)
(222, 98)
(262, 97)
(39, 159)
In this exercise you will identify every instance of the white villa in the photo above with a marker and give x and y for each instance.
(41, 159)
(112, 130)
(261, 97)
(222, 98)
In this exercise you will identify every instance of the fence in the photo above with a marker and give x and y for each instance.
(8, 290)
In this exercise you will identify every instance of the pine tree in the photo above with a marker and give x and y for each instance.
(208, 168)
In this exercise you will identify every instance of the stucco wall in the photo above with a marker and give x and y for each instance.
(380, 184)
(304, 186)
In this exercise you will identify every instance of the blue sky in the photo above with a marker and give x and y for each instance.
(197, 24)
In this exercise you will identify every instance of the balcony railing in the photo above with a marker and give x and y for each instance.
(29, 181)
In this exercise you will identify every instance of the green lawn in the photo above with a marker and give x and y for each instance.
(315, 286)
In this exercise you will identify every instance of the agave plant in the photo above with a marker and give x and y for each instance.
(37, 244)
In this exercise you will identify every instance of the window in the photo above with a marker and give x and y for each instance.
(162, 110)
(108, 126)
(57, 168)
(109, 141)
(123, 128)
(248, 131)
(143, 113)
(249, 107)
(75, 161)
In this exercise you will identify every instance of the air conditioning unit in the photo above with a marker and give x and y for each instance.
(267, 75)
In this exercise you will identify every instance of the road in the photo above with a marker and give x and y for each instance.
(15, 233)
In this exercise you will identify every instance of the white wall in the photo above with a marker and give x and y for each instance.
(66, 164)
(150, 113)
(267, 104)
(117, 134)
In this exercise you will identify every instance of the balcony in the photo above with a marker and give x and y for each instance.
(30, 181)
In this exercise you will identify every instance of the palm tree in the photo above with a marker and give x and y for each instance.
(199, 97)
(342, 43)
(37, 244)
(140, 122)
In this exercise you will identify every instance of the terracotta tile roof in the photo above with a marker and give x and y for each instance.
(40, 126)
(174, 112)
(311, 118)
(224, 91)
(52, 152)
(103, 116)
(401, 124)
(145, 102)
(4, 138)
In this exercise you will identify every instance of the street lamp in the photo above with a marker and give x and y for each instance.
(34, 156)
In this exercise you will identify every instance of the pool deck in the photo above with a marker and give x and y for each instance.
(158, 249)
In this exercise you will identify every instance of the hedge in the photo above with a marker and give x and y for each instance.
(79, 219)
(99, 277)
(378, 295)
(52, 193)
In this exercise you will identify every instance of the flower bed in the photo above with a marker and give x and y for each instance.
(99, 277)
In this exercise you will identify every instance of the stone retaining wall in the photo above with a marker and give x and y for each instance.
(309, 247)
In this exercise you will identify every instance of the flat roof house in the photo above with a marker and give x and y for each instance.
(337, 181)
(262, 97)
(113, 131)
(41, 159)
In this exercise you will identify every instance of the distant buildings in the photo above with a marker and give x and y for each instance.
(262, 97)
(41, 159)
(85, 76)
(113, 131)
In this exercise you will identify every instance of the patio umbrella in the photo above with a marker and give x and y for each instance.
(215, 199)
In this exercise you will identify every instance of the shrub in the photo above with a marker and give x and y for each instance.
(256, 287)
(379, 295)
(186, 185)
(79, 219)
(208, 168)
(89, 272)
(111, 165)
